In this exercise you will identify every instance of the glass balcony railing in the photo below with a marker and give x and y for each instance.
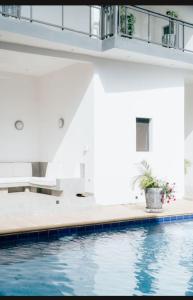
(80, 19)
(103, 22)
(141, 24)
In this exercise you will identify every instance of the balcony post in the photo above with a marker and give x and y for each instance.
(101, 23)
(90, 20)
(116, 18)
(177, 35)
(31, 13)
(62, 17)
(148, 28)
(183, 43)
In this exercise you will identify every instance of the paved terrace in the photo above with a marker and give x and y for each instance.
(31, 211)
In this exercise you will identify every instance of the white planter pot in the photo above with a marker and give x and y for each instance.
(153, 199)
(169, 40)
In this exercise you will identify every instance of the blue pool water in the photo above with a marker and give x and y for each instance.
(152, 259)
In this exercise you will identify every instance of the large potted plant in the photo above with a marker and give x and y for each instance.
(169, 32)
(127, 22)
(156, 191)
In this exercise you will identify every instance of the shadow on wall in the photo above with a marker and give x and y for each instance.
(137, 76)
(66, 94)
(188, 136)
(188, 109)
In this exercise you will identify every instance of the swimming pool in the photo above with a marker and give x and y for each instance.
(152, 259)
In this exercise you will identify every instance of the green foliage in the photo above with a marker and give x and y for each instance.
(127, 21)
(171, 28)
(146, 179)
(172, 13)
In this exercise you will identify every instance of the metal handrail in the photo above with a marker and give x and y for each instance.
(150, 13)
(113, 17)
(62, 27)
(161, 16)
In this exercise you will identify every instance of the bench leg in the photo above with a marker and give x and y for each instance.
(56, 193)
(3, 191)
(33, 189)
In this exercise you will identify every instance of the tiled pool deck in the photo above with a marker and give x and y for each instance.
(30, 214)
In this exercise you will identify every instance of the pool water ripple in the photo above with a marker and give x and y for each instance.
(154, 259)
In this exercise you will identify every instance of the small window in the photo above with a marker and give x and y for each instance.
(142, 134)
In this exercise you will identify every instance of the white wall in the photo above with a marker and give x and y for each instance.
(122, 93)
(18, 101)
(69, 94)
(188, 138)
(99, 104)
(39, 102)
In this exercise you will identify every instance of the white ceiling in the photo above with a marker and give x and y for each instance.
(45, 65)
(147, 59)
(38, 65)
(30, 64)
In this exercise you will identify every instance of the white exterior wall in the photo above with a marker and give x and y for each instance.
(99, 104)
(122, 93)
(18, 101)
(188, 138)
(68, 94)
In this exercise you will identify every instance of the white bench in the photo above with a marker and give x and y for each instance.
(13, 175)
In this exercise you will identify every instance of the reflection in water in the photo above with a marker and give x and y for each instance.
(115, 255)
(81, 264)
(172, 275)
(29, 266)
(141, 260)
(189, 291)
(144, 268)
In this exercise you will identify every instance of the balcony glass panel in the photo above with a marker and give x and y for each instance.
(25, 11)
(180, 36)
(95, 20)
(48, 13)
(162, 32)
(76, 17)
(188, 38)
(133, 23)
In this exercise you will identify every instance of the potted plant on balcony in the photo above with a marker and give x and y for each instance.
(127, 22)
(156, 191)
(169, 32)
(187, 165)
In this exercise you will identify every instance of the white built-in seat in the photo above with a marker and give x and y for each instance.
(20, 175)
(15, 179)
(43, 181)
(15, 174)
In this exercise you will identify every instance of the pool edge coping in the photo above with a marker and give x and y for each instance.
(91, 226)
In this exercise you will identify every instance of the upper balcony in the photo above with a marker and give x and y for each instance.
(134, 29)
(148, 26)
